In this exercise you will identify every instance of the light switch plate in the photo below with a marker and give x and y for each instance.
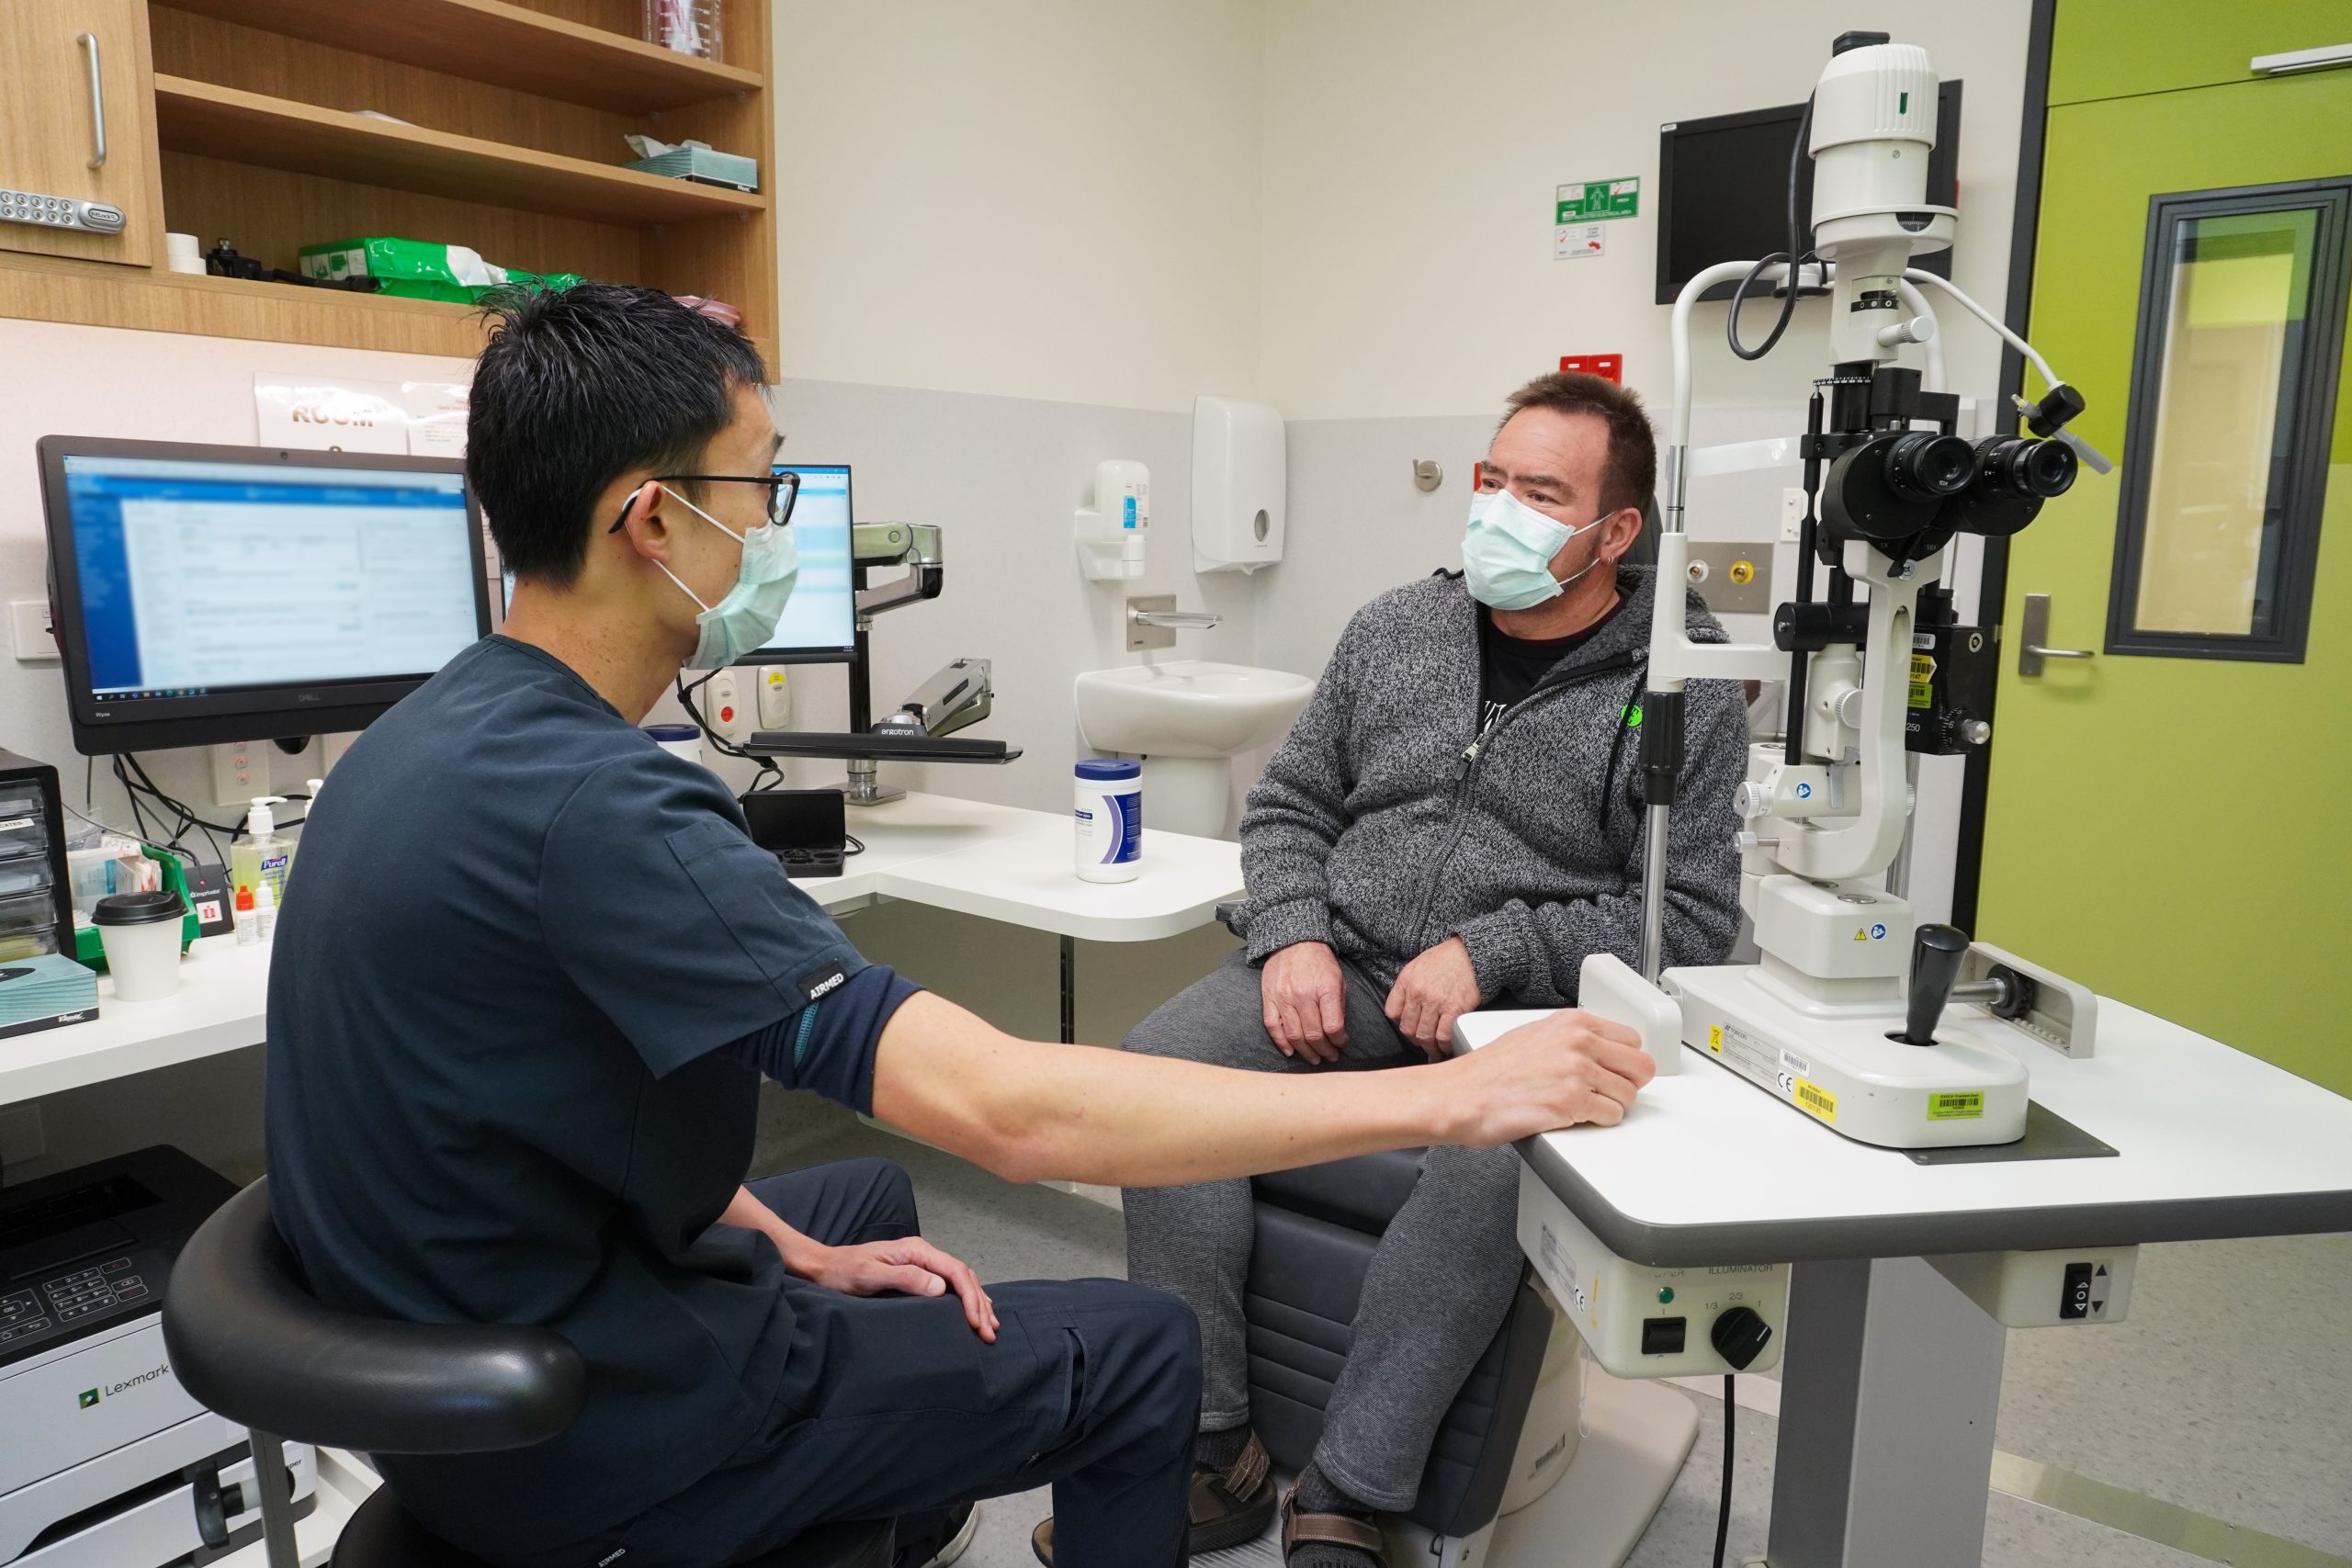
(1791, 515)
(29, 631)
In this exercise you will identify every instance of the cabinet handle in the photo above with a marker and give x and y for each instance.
(97, 102)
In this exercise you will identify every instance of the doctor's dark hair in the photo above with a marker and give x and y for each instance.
(578, 387)
(1629, 477)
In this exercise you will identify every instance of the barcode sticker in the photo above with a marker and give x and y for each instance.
(1817, 1100)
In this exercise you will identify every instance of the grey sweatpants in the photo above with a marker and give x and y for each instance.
(1440, 1282)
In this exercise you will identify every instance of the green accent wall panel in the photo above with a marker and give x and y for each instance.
(2176, 832)
(2109, 48)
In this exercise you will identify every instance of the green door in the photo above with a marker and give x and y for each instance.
(2169, 820)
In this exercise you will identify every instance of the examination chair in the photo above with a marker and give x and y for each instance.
(1316, 1231)
(247, 1340)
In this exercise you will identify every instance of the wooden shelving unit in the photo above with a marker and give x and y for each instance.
(275, 134)
(486, 41)
(507, 137)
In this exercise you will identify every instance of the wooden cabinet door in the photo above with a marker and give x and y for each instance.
(51, 120)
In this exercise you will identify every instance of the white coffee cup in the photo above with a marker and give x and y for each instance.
(141, 933)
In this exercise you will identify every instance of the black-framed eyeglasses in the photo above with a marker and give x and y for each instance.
(784, 489)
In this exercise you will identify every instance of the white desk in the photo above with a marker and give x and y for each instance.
(997, 862)
(1891, 1377)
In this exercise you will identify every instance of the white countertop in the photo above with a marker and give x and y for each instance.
(2209, 1142)
(998, 861)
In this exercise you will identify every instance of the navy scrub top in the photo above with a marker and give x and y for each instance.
(517, 937)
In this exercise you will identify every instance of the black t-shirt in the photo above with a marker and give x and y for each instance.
(515, 939)
(1509, 667)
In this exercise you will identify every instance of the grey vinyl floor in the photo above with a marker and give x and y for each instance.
(2228, 1391)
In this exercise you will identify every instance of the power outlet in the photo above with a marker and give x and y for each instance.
(240, 772)
(29, 631)
(722, 702)
(776, 696)
(21, 1137)
(1791, 515)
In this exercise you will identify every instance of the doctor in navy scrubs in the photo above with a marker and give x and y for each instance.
(530, 973)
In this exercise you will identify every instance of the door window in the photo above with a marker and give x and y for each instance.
(2232, 399)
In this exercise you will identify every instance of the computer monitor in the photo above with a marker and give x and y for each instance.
(213, 593)
(1722, 190)
(820, 625)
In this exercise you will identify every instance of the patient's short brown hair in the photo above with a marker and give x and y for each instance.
(1630, 476)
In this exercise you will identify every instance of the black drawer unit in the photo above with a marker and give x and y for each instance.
(35, 898)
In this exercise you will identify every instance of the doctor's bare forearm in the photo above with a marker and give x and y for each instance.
(1033, 1112)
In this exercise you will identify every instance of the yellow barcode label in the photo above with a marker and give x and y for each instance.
(1817, 1100)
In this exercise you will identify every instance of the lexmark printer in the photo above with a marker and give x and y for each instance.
(105, 1460)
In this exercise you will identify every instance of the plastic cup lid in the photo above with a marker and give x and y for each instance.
(1109, 769)
(137, 908)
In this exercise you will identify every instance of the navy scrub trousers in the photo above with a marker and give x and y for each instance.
(1093, 1385)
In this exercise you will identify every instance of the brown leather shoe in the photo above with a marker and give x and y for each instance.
(1227, 1509)
(1331, 1529)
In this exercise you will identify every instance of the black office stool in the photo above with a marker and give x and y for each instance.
(247, 1340)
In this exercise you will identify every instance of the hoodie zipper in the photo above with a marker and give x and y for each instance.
(1465, 770)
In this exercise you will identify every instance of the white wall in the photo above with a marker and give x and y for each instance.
(1412, 151)
(1044, 198)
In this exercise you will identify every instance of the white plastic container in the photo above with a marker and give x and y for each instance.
(1110, 819)
(678, 739)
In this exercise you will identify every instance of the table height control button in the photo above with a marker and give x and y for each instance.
(2075, 1300)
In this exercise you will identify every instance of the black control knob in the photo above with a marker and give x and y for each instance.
(1739, 1336)
(1936, 952)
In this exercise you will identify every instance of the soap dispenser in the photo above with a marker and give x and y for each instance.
(1111, 533)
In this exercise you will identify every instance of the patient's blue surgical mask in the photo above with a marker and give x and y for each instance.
(1507, 553)
(746, 616)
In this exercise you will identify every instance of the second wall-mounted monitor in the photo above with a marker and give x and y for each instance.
(1722, 190)
(819, 623)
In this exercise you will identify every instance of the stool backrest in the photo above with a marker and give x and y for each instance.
(248, 1340)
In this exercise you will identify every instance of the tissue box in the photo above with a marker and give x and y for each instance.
(45, 992)
(419, 269)
(704, 166)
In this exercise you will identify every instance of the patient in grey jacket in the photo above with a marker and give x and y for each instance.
(1453, 823)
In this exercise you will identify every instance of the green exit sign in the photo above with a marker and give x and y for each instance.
(1589, 201)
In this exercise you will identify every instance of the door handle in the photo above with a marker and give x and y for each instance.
(2032, 648)
(89, 42)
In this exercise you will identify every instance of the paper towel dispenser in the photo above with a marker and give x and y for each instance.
(1240, 475)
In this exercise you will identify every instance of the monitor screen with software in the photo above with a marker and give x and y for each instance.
(212, 593)
(819, 623)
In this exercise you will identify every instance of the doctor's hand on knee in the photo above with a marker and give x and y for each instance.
(1563, 1069)
(911, 1267)
(1434, 989)
(1305, 1002)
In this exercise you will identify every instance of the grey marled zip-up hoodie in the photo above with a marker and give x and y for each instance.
(1387, 823)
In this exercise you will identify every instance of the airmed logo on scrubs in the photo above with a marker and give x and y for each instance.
(823, 983)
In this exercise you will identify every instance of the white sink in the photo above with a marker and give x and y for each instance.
(1185, 719)
(1188, 707)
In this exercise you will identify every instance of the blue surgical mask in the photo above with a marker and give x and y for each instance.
(746, 616)
(1508, 551)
